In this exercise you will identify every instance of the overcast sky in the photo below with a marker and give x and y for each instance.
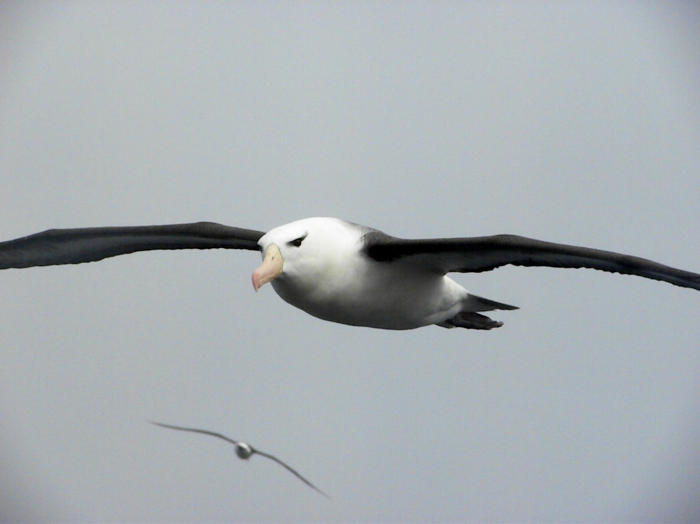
(574, 122)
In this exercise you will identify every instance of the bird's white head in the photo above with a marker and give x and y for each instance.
(243, 450)
(305, 251)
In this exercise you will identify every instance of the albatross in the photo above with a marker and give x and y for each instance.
(243, 450)
(344, 272)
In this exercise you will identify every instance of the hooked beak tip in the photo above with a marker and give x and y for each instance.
(270, 269)
(256, 281)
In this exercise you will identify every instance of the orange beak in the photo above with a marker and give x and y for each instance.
(270, 268)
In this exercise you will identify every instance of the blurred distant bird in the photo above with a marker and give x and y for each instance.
(243, 450)
(343, 272)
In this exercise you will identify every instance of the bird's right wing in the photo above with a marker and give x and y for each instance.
(193, 430)
(75, 246)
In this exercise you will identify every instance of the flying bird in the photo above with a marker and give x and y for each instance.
(243, 450)
(344, 272)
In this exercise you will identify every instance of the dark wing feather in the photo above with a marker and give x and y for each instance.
(289, 468)
(476, 254)
(193, 430)
(75, 246)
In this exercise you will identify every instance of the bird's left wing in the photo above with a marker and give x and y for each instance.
(477, 254)
(289, 468)
(75, 246)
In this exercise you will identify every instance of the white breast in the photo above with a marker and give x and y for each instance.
(361, 292)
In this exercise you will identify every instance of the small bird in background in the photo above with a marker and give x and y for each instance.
(243, 450)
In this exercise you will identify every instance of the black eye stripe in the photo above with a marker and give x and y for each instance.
(297, 241)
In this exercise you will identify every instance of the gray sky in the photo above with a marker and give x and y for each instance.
(569, 122)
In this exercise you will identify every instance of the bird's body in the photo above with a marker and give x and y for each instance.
(368, 293)
(347, 273)
(345, 287)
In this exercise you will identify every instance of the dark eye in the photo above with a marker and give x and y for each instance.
(297, 241)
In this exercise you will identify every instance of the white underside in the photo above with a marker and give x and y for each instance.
(327, 275)
(378, 295)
